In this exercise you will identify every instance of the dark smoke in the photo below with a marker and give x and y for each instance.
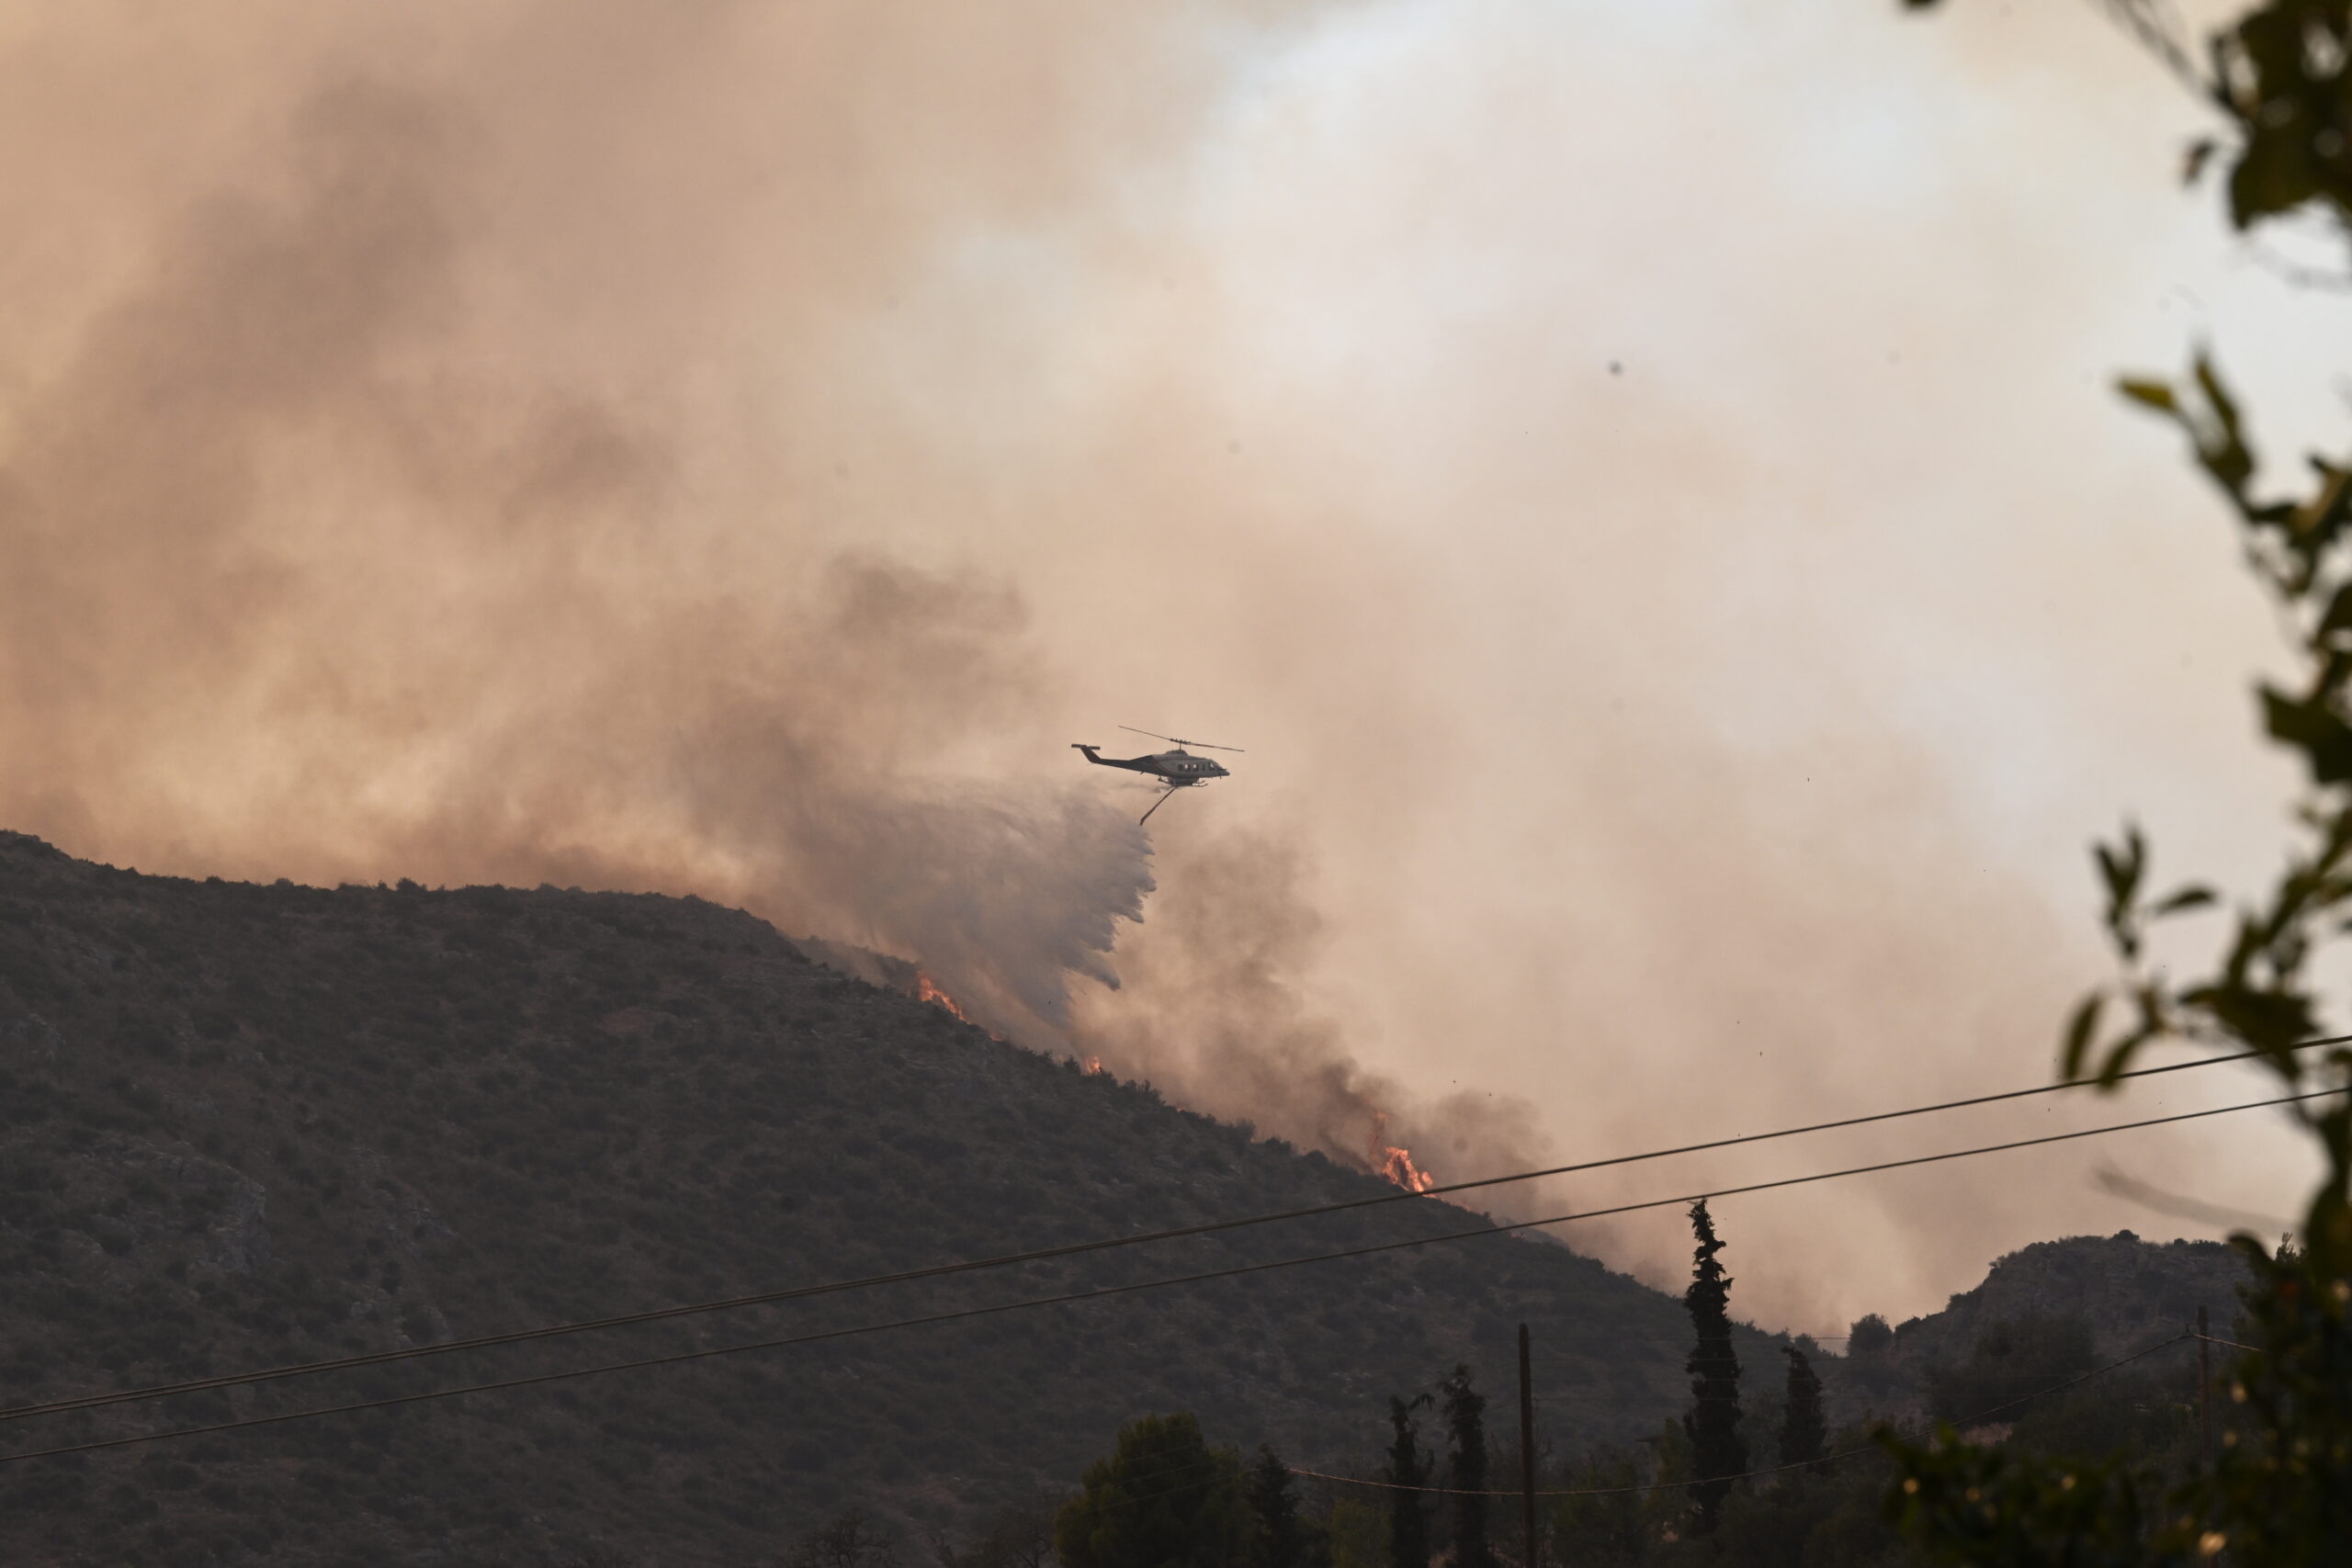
(298, 585)
(1213, 1009)
(285, 595)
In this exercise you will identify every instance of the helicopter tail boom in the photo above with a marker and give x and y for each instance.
(1094, 755)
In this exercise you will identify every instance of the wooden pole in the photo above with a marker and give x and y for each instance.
(1526, 1450)
(2205, 1391)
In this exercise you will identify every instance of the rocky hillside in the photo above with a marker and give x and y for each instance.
(248, 1126)
(2132, 1292)
(2125, 1293)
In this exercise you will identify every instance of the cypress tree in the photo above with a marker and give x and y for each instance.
(1465, 1410)
(1408, 1524)
(1279, 1543)
(1718, 1452)
(1803, 1432)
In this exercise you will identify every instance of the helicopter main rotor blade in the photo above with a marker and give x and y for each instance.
(1177, 740)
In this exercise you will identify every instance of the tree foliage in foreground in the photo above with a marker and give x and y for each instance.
(1163, 1499)
(1466, 1422)
(1282, 1539)
(1408, 1473)
(2278, 80)
(1718, 1450)
(1803, 1430)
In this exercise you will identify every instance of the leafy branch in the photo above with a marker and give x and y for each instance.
(2280, 80)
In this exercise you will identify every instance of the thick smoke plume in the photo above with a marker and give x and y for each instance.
(286, 588)
(1214, 1008)
(1683, 592)
(318, 566)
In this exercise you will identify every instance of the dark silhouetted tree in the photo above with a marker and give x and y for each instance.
(852, 1540)
(1019, 1534)
(1279, 1540)
(1163, 1499)
(2009, 1360)
(1605, 1524)
(1409, 1521)
(1717, 1449)
(1466, 1422)
(1869, 1335)
(1805, 1434)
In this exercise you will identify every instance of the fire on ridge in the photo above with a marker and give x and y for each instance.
(1388, 1160)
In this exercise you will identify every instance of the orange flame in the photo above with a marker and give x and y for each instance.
(927, 991)
(1398, 1166)
(1091, 1066)
(1394, 1163)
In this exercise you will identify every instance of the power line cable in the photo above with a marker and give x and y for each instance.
(2211, 1339)
(1071, 1249)
(1099, 1292)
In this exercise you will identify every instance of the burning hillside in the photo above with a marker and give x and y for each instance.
(1395, 1163)
(286, 1123)
(927, 991)
(1347, 1099)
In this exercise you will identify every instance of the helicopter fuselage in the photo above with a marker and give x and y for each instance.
(1178, 767)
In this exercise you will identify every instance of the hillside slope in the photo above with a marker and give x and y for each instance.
(2132, 1292)
(248, 1126)
(2128, 1293)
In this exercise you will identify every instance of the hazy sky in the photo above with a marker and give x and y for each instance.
(1639, 479)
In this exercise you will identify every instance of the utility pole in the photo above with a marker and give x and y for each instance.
(1526, 1450)
(2204, 1391)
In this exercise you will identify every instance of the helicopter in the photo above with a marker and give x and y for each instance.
(1179, 768)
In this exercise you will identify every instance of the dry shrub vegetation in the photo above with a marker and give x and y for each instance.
(243, 1127)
